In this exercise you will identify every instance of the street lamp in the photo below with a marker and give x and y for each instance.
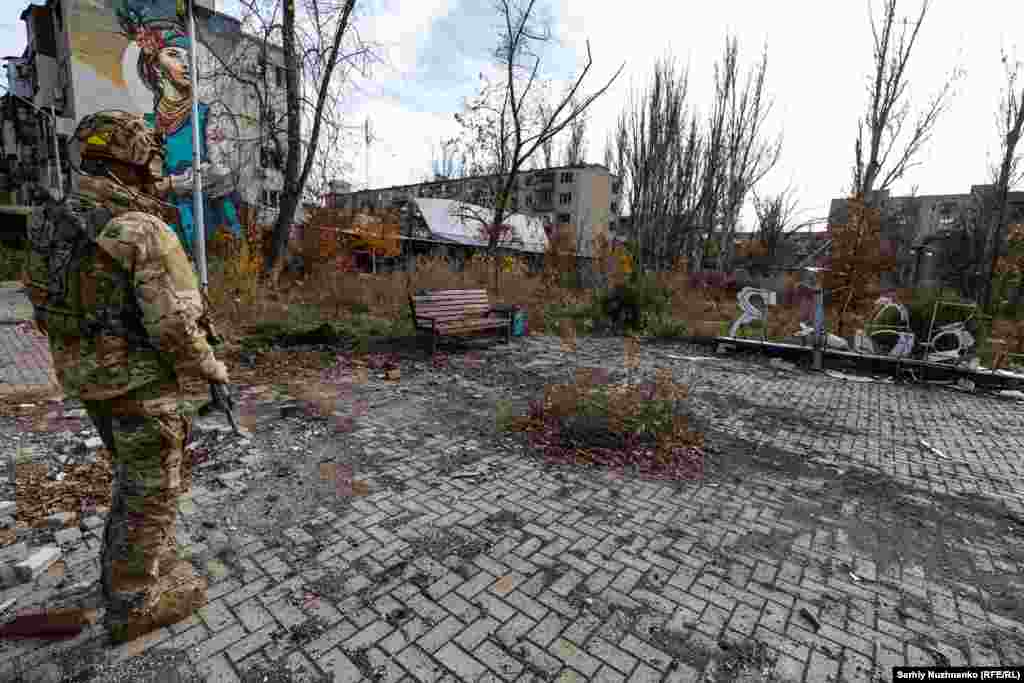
(56, 144)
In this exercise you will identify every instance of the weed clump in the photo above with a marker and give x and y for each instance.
(639, 427)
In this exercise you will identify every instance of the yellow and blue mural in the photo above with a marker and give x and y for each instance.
(133, 55)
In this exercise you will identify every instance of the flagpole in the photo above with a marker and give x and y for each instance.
(197, 177)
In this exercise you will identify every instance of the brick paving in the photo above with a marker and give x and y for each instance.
(824, 543)
(25, 362)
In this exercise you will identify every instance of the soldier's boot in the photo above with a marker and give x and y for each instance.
(178, 594)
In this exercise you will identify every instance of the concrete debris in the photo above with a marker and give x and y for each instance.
(1012, 393)
(8, 507)
(38, 562)
(92, 443)
(92, 522)
(932, 449)
(850, 378)
(6, 522)
(59, 520)
(964, 384)
(66, 537)
(780, 364)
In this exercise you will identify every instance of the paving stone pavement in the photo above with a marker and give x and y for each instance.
(823, 543)
(25, 362)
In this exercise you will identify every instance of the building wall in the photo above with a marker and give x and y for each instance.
(85, 59)
(589, 207)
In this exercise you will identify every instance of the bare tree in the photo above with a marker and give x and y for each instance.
(687, 178)
(320, 50)
(650, 146)
(748, 155)
(775, 215)
(576, 147)
(886, 159)
(1007, 174)
(547, 147)
(516, 138)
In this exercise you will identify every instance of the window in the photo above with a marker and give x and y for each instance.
(271, 198)
(566, 177)
(279, 75)
(269, 158)
(564, 218)
(545, 195)
(564, 197)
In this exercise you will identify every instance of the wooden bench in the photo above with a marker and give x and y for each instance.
(456, 312)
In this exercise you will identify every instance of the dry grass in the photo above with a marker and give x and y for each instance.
(334, 293)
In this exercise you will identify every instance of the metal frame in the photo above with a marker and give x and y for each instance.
(935, 311)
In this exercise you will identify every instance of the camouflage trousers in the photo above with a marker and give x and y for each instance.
(145, 583)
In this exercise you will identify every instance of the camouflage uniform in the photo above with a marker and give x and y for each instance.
(119, 300)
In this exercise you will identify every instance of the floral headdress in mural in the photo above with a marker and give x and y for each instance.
(144, 22)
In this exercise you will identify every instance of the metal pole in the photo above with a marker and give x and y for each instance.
(56, 154)
(197, 176)
(819, 326)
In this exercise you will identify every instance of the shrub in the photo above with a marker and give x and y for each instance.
(666, 327)
(588, 421)
(629, 304)
(12, 262)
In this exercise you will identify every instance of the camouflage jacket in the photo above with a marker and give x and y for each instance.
(115, 293)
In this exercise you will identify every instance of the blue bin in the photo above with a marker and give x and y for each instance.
(518, 324)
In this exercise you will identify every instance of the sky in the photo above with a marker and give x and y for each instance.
(819, 56)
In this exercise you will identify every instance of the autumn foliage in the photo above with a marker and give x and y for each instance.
(858, 260)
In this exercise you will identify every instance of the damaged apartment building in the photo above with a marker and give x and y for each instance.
(582, 200)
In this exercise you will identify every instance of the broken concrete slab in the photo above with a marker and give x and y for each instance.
(37, 562)
(66, 537)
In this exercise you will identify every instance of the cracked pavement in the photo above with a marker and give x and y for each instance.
(420, 543)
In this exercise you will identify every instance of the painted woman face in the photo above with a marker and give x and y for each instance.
(173, 63)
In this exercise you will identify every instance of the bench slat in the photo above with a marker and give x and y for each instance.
(449, 302)
(455, 312)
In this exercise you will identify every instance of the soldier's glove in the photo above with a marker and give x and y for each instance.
(181, 184)
(214, 371)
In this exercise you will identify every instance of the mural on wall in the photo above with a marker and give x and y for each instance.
(134, 55)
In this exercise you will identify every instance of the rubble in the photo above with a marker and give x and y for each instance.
(8, 507)
(38, 562)
(66, 537)
(92, 522)
(59, 520)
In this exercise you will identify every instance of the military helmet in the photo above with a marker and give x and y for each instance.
(120, 136)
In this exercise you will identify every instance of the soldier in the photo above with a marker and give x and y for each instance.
(118, 298)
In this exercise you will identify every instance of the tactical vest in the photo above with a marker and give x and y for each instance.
(63, 254)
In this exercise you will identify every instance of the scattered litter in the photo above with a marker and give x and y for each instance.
(809, 618)
(928, 447)
(855, 577)
(964, 384)
(850, 378)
